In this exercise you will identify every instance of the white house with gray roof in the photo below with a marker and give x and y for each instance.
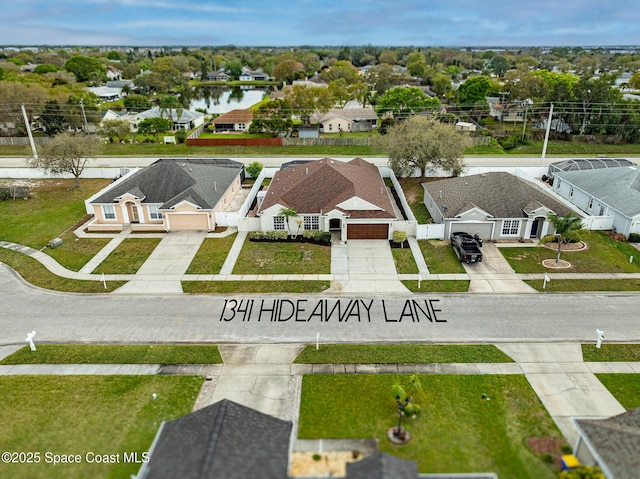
(496, 206)
(611, 192)
(168, 195)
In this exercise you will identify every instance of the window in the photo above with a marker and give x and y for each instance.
(278, 223)
(510, 227)
(590, 203)
(154, 212)
(311, 223)
(571, 192)
(109, 212)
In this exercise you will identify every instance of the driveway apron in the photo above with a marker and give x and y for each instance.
(494, 274)
(371, 268)
(163, 270)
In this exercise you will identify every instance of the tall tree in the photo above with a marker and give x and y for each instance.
(115, 129)
(272, 117)
(567, 229)
(52, 119)
(405, 101)
(425, 144)
(154, 126)
(67, 153)
(86, 69)
(475, 90)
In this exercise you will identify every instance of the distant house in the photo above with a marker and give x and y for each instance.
(330, 195)
(168, 195)
(106, 93)
(218, 75)
(465, 126)
(114, 73)
(181, 119)
(347, 120)
(612, 192)
(613, 444)
(505, 111)
(253, 75)
(496, 206)
(234, 120)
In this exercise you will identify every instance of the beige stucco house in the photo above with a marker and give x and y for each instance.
(168, 195)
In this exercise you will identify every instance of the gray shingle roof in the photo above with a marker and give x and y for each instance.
(500, 194)
(382, 466)
(617, 187)
(168, 181)
(617, 442)
(224, 440)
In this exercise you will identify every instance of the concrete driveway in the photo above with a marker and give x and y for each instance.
(494, 274)
(370, 267)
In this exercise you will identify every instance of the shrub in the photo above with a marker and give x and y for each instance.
(317, 457)
(254, 169)
(634, 238)
(399, 237)
(326, 237)
(512, 141)
(308, 234)
(181, 136)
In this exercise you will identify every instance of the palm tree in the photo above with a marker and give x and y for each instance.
(288, 213)
(567, 229)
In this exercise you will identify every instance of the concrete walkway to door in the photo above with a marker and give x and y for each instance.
(162, 272)
(370, 268)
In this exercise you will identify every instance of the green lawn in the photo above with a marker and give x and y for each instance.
(240, 287)
(611, 352)
(603, 255)
(35, 273)
(81, 414)
(568, 285)
(404, 261)
(624, 387)
(128, 256)
(414, 193)
(283, 258)
(116, 354)
(211, 255)
(437, 286)
(75, 252)
(401, 353)
(440, 257)
(458, 431)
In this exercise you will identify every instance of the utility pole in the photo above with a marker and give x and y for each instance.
(85, 125)
(546, 136)
(26, 122)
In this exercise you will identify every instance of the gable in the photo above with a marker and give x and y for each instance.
(354, 203)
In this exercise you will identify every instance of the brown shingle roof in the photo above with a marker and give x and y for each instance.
(319, 186)
(234, 116)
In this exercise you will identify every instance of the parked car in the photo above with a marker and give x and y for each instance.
(466, 247)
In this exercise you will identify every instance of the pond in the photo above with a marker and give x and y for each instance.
(220, 99)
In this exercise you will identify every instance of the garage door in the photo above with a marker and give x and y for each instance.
(367, 231)
(180, 222)
(481, 229)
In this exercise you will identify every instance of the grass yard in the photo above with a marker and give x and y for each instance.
(437, 286)
(568, 285)
(283, 258)
(458, 431)
(404, 261)
(401, 353)
(414, 193)
(624, 387)
(116, 354)
(35, 273)
(611, 352)
(440, 257)
(75, 252)
(128, 256)
(211, 255)
(603, 255)
(81, 414)
(239, 287)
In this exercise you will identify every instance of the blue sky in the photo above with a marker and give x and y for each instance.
(320, 22)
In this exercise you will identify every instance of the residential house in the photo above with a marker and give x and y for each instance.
(224, 440)
(168, 195)
(234, 120)
(496, 206)
(218, 75)
(114, 73)
(609, 192)
(253, 75)
(347, 120)
(465, 126)
(181, 119)
(613, 444)
(329, 195)
(505, 111)
(106, 93)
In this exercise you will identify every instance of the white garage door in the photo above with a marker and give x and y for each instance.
(183, 221)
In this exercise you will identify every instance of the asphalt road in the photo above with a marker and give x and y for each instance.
(365, 318)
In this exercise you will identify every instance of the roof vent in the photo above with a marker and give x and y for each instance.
(307, 170)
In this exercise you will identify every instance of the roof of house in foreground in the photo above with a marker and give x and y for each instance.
(169, 181)
(500, 194)
(616, 442)
(319, 186)
(224, 440)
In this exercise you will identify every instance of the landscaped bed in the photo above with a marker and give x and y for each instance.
(458, 430)
(401, 353)
(116, 354)
(87, 416)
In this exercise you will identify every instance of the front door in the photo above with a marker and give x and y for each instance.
(334, 224)
(133, 212)
(534, 228)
